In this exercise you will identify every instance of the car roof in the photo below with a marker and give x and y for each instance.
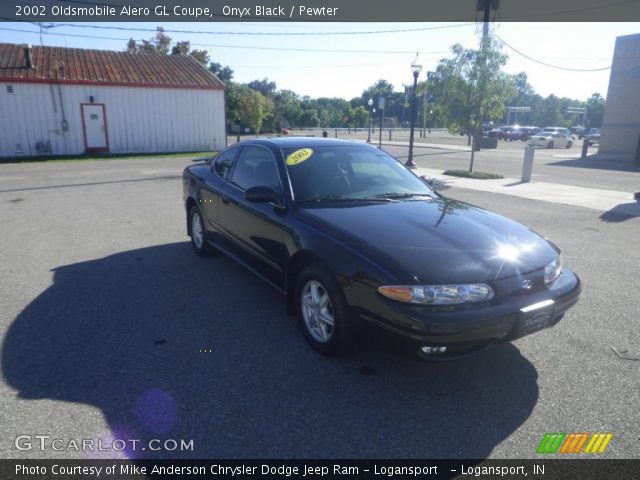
(302, 142)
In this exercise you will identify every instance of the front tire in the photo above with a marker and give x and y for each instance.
(550, 145)
(569, 144)
(197, 232)
(322, 311)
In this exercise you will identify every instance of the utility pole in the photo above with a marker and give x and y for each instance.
(484, 6)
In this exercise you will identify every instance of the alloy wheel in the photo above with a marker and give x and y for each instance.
(317, 311)
(197, 232)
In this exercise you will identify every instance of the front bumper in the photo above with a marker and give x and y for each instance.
(466, 329)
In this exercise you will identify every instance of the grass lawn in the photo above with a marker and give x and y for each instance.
(476, 175)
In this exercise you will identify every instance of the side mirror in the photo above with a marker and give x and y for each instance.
(430, 181)
(263, 194)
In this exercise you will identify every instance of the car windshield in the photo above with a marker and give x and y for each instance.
(349, 173)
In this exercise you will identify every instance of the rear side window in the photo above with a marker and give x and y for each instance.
(223, 162)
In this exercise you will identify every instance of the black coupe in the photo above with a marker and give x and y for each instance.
(354, 239)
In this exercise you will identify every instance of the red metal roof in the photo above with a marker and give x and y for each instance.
(103, 67)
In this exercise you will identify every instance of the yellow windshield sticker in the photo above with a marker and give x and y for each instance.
(299, 156)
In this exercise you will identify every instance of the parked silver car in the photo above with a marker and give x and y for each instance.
(562, 130)
(594, 136)
(550, 139)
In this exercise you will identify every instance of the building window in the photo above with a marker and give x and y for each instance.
(9, 89)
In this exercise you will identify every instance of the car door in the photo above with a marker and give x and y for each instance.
(256, 232)
(211, 188)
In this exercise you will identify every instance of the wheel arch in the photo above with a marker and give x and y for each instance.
(297, 263)
(191, 202)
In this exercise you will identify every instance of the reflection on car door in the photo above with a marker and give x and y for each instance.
(255, 231)
(212, 189)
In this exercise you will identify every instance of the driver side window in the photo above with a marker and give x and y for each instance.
(255, 166)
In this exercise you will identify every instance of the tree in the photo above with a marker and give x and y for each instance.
(161, 43)
(132, 46)
(359, 117)
(181, 48)
(201, 56)
(232, 95)
(184, 48)
(254, 108)
(470, 88)
(595, 110)
(381, 88)
(287, 109)
(225, 74)
(158, 44)
(394, 101)
(525, 96)
(548, 112)
(264, 86)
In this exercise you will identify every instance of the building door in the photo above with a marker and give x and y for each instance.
(94, 125)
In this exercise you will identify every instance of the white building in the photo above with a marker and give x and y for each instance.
(69, 101)
(621, 123)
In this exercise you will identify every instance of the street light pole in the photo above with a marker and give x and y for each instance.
(381, 102)
(370, 103)
(416, 68)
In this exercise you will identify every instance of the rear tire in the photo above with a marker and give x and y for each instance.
(322, 312)
(550, 145)
(198, 233)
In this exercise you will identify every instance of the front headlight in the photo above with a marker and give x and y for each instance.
(553, 270)
(438, 294)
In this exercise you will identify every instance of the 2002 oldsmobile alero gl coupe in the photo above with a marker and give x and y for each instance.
(356, 240)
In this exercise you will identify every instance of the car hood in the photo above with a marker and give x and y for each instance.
(435, 241)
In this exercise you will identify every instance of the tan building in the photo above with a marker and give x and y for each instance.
(621, 123)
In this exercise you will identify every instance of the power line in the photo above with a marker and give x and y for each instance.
(552, 66)
(293, 49)
(576, 10)
(512, 18)
(257, 47)
(369, 32)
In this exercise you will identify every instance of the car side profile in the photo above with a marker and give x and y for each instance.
(501, 133)
(522, 133)
(358, 243)
(550, 139)
(562, 130)
(594, 136)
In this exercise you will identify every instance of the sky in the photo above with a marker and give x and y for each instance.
(343, 59)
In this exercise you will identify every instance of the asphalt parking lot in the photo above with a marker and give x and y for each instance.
(110, 327)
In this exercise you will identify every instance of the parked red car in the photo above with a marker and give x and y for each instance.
(522, 133)
(500, 132)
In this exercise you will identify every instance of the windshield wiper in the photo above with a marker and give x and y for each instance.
(392, 195)
(335, 198)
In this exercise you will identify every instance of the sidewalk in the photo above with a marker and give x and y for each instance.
(594, 198)
(418, 144)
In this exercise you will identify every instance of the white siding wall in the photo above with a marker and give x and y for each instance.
(138, 119)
